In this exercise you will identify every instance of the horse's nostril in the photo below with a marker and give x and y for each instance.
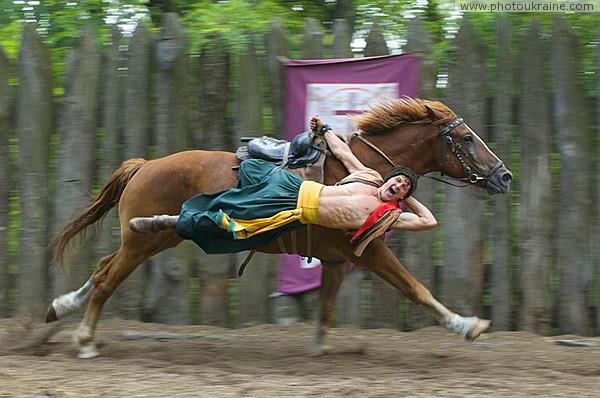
(506, 177)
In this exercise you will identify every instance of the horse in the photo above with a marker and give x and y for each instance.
(424, 135)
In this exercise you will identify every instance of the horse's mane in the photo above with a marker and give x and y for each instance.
(391, 113)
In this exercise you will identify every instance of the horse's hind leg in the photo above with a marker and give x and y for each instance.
(107, 279)
(74, 301)
(331, 280)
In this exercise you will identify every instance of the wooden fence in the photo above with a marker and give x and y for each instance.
(528, 260)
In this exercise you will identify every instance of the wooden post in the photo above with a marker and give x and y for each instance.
(500, 236)
(4, 182)
(214, 270)
(376, 44)
(536, 229)
(575, 191)
(276, 47)
(34, 125)
(345, 9)
(254, 289)
(597, 59)
(167, 299)
(213, 98)
(77, 146)
(342, 36)
(106, 239)
(127, 300)
(254, 286)
(385, 300)
(348, 306)
(249, 104)
(137, 129)
(302, 303)
(172, 62)
(463, 217)
(418, 253)
(312, 40)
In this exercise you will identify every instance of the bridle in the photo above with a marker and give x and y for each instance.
(456, 149)
(461, 154)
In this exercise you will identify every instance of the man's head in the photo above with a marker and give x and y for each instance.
(398, 184)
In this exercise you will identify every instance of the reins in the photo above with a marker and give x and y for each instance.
(374, 147)
(457, 151)
(387, 159)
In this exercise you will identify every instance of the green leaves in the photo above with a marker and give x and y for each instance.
(235, 22)
(10, 37)
(232, 20)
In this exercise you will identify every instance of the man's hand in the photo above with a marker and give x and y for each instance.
(315, 123)
(338, 147)
(318, 126)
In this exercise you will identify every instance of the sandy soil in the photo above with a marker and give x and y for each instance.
(148, 360)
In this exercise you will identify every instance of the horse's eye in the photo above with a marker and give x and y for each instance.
(467, 139)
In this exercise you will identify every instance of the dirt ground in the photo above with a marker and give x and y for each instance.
(148, 360)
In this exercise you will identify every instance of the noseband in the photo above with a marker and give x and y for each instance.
(460, 154)
(455, 148)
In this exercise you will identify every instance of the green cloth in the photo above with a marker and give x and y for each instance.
(263, 190)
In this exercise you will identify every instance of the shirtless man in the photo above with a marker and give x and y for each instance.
(348, 206)
(269, 202)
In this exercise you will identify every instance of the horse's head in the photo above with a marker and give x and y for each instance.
(427, 136)
(465, 156)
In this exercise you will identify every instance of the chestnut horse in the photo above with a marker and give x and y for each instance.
(423, 135)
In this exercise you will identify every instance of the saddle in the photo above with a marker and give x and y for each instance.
(303, 151)
(304, 156)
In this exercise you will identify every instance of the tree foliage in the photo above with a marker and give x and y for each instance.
(60, 22)
(233, 21)
(584, 25)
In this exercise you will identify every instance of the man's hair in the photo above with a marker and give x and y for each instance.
(405, 171)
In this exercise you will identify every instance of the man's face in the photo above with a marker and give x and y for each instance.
(395, 188)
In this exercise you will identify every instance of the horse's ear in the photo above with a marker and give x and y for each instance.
(430, 113)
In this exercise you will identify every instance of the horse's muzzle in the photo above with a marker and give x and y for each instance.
(499, 182)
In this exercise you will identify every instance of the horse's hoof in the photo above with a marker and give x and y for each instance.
(477, 328)
(321, 350)
(88, 351)
(51, 315)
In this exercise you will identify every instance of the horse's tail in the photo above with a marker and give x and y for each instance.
(108, 198)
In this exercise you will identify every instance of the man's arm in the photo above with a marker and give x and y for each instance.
(421, 219)
(338, 147)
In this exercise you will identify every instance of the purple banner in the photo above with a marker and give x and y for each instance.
(363, 80)
(332, 89)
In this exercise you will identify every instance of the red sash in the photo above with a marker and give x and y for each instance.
(379, 212)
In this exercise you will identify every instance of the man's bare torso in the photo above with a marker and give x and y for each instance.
(347, 206)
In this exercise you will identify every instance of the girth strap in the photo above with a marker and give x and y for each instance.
(245, 263)
(294, 243)
(309, 242)
(281, 245)
(283, 249)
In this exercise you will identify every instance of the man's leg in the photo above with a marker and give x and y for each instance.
(153, 224)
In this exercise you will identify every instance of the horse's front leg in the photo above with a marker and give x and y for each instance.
(380, 259)
(331, 280)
